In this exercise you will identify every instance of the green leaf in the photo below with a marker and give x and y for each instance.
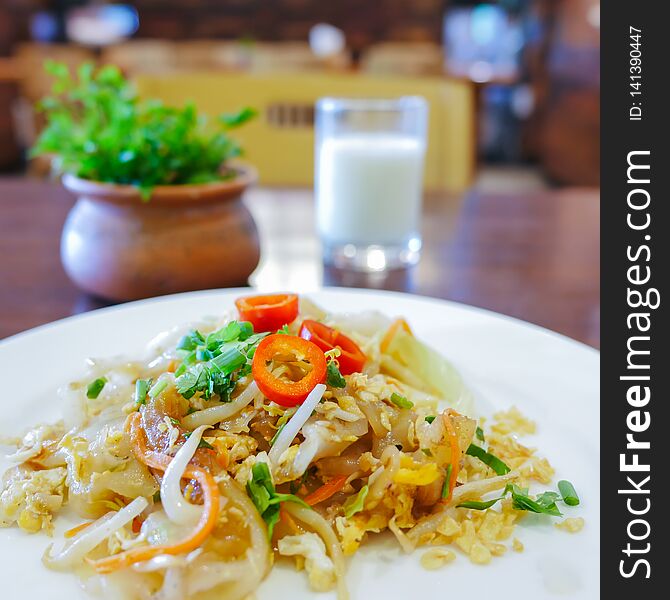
(521, 501)
(430, 418)
(271, 517)
(100, 130)
(355, 504)
(95, 387)
(488, 459)
(333, 376)
(479, 505)
(261, 490)
(231, 120)
(401, 401)
(277, 498)
(157, 388)
(259, 496)
(202, 443)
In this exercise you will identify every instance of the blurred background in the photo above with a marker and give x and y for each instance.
(528, 70)
(513, 93)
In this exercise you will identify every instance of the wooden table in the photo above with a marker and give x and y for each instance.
(531, 255)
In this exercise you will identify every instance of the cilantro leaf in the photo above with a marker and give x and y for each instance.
(544, 503)
(262, 492)
(333, 376)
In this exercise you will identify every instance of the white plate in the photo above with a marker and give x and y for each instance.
(552, 379)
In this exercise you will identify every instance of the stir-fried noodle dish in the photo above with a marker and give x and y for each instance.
(279, 432)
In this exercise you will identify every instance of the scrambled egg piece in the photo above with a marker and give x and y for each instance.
(319, 566)
(30, 498)
(413, 473)
(352, 531)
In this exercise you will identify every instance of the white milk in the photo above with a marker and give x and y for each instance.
(369, 189)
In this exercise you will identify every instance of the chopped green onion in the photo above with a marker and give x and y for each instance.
(568, 493)
(246, 330)
(284, 330)
(229, 360)
(95, 387)
(141, 389)
(203, 354)
(190, 341)
(333, 376)
(355, 504)
(445, 486)
(488, 459)
(189, 359)
(479, 432)
(181, 370)
(401, 401)
(157, 388)
(427, 451)
(186, 343)
(430, 418)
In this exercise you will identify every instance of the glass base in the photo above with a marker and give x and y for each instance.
(372, 258)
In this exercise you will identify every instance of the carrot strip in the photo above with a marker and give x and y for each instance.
(70, 533)
(399, 323)
(204, 527)
(326, 490)
(455, 453)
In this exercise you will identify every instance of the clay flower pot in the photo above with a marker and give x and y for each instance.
(186, 237)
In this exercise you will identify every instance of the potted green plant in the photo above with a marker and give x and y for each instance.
(159, 202)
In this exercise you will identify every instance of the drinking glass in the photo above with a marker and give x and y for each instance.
(369, 179)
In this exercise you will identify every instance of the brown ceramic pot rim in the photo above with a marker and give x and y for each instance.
(164, 194)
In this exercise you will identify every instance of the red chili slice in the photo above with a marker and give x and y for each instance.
(351, 359)
(268, 312)
(281, 391)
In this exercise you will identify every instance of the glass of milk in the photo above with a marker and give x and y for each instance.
(368, 180)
